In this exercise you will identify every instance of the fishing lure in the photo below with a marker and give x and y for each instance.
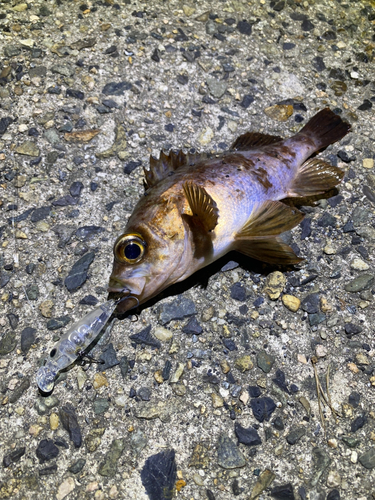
(74, 343)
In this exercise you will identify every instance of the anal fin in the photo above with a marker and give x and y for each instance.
(202, 205)
(269, 249)
(314, 177)
(269, 219)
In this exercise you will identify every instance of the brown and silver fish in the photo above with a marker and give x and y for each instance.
(197, 208)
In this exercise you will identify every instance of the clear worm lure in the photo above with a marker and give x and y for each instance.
(73, 344)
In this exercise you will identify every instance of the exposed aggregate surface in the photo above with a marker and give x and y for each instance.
(212, 391)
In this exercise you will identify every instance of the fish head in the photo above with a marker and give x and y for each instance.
(153, 253)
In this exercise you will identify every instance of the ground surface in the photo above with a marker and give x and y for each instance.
(193, 76)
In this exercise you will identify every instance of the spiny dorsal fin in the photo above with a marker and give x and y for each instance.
(201, 204)
(252, 140)
(315, 177)
(270, 218)
(269, 249)
(169, 163)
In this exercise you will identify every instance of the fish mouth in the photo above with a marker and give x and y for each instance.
(128, 298)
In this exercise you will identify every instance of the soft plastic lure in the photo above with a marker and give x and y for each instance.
(74, 343)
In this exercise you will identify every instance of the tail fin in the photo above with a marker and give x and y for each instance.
(325, 128)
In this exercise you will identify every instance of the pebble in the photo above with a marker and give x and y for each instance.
(93, 439)
(46, 450)
(228, 454)
(238, 292)
(291, 302)
(249, 437)
(368, 163)
(100, 380)
(178, 309)
(334, 495)
(108, 467)
(333, 479)
(101, 405)
(274, 285)
(359, 265)
(363, 282)
(159, 475)
(216, 87)
(283, 492)
(206, 136)
(279, 112)
(70, 423)
(54, 421)
(264, 481)
(28, 336)
(66, 487)
(78, 274)
(13, 457)
(108, 358)
(177, 373)
(56, 323)
(8, 342)
(265, 361)
(295, 435)
(321, 461)
(262, 408)
(46, 308)
(28, 148)
(77, 466)
(244, 363)
(163, 334)
(145, 337)
(192, 327)
(217, 401)
(368, 459)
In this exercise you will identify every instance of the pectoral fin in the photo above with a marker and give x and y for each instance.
(270, 218)
(315, 177)
(269, 249)
(202, 205)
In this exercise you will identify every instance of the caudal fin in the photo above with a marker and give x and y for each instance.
(325, 128)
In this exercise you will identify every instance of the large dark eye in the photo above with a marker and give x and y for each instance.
(129, 248)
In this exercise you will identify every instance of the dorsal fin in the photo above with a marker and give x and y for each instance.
(252, 140)
(202, 205)
(169, 163)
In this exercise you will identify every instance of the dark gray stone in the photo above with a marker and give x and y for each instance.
(78, 274)
(283, 492)
(159, 475)
(310, 304)
(262, 408)
(109, 357)
(145, 337)
(238, 292)
(7, 343)
(56, 323)
(27, 338)
(363, 282)
(249, 436)
(13, 457)
(75, 189)
(70, 423)
(265, 361)
(192, 327)
(295, 435)
(178, 309)
(228, 454)
(101, 405)
(47, 450)
(87, 232)
(77, 466)
(114, 88)
(32, 292)
(368, 459)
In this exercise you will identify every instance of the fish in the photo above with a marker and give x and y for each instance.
(74, 344)
(198, 207)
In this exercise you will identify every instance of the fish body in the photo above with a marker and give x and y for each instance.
(197, 208)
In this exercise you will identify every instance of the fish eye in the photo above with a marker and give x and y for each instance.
(129, 248)
(52, 353)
